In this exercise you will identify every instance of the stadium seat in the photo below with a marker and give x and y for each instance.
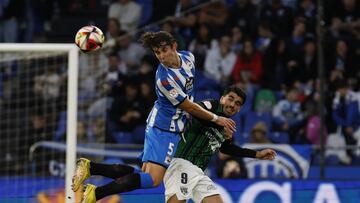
(206, 94)
(252, 118)
(122, 137)
(204, 83)
(279, 137)
(239, 136)
(139, 134)
(242, 138)
(332, 160)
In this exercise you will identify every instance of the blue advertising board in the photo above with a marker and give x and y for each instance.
(233, 191)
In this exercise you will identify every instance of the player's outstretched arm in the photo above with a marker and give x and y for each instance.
(199, 112)
(266, 154)
(233, 150)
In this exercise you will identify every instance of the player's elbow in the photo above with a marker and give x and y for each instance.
(188, 106)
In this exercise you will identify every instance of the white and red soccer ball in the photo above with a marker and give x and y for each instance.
(89, 38)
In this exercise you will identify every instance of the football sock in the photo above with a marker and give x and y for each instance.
(126, 183)
(110, 170)
(146, 180)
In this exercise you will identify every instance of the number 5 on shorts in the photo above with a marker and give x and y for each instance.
(169, 153)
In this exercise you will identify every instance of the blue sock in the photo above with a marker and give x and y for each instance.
(146, 180)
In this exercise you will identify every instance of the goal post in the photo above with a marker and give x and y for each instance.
(72, 95)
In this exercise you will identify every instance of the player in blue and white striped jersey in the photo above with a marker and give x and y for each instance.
(165, 123)
(173, 86)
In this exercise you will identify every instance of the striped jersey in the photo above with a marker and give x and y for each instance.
(201, 138)
(173, 86)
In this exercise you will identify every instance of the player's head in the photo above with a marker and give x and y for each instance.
(163, 44)
(232, 100)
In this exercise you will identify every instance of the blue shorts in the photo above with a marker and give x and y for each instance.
(159, 146)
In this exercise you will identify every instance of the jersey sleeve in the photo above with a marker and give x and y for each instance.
(171, 90)
(188, 55)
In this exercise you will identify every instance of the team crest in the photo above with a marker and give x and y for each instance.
(189, 83)
(173, 93)
(184, 190)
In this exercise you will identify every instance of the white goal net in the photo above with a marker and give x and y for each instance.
(38, 104)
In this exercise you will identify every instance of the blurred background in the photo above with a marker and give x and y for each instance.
(301, 78)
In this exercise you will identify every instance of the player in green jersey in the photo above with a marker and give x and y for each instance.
(185, 178)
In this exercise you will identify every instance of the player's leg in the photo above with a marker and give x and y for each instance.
(174, 199)
(180, 180)
(85, 168)
(156, 155)
(156, 172)
(206, 192)
(212, 199)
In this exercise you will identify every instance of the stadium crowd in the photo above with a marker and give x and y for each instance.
(266, 47)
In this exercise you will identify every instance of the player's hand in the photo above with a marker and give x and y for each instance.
(227, 133)
(227, 123)
(266, 154)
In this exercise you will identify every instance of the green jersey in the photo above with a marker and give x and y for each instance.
(201, 139)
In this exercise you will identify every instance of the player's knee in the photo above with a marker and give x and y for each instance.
(156, 179)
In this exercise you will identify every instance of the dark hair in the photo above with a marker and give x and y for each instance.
(237, 91)
(157, 39)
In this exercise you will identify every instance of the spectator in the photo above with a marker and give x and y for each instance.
(200, 45)
(244, 16)
(248, 66)
(342, 60)
(128, 14)
(127, 112)
(313, 130)
(130, 52)
(148, 95)
(169, 27)
(274, 63)
(113, 32)
(294, 51)
(346, 111)
(236, 39)
(48, 85)
(230, 167)
(279, 17)
(307, 11)
(265, 36)
(288, 116)
(308, 62)
(259, 134)
(215, 15)
(184, 22)
(12, 13)
(220, 60)
(147, 68)
(349, 13)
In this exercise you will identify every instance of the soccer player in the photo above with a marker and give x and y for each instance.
(185, 179)
(166, 121)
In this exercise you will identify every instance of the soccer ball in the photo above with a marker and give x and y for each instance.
(89, 38)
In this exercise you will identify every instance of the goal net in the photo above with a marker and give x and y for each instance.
(39, 108)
